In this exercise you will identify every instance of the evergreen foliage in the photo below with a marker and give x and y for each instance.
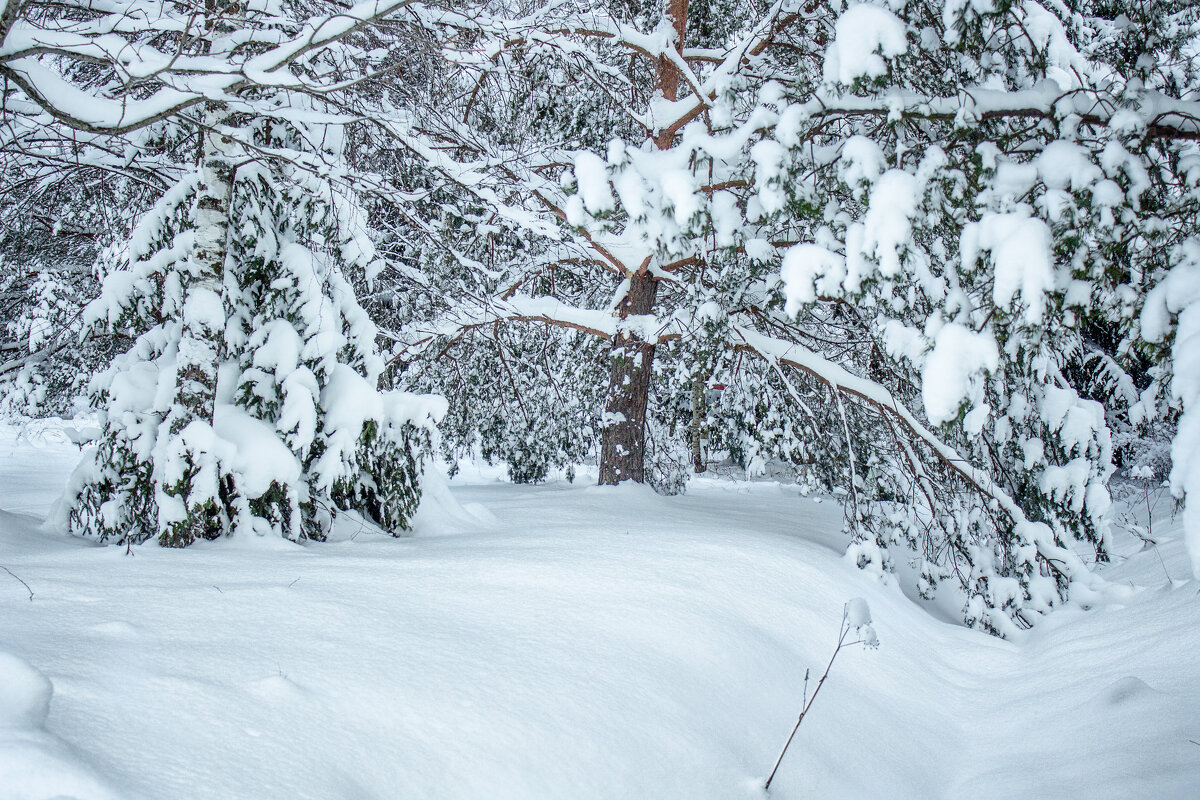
(297, 428)
(938, 257)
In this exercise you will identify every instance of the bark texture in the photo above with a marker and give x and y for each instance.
(201, 341)
(623, 436)
(695, 433)
(631, 358)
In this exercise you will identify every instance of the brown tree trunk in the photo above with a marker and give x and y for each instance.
(631, 358)
(631, 363)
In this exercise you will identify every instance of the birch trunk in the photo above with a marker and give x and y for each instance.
(201, 339)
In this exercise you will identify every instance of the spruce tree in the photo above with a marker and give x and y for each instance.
(249, 400)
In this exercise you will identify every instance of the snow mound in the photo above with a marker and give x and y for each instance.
(1127, 690)
(440, 512)
(116, 629)
(24, 694)
(34, 764)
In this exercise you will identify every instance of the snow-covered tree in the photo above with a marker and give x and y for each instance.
(990, 201)
(935, 251)
(529, 91)
(249, 399)
(65, 199)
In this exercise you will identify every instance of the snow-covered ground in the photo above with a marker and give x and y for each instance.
(562, 641)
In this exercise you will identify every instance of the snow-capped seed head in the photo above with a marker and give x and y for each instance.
(858, 613)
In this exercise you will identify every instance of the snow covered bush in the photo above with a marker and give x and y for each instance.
(249, 400)
(44, 316)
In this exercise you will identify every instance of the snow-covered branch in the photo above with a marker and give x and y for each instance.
(1059, 557)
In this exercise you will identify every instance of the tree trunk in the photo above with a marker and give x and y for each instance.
(203, 312)
(201, 340)
(631, 358)
(696, 431)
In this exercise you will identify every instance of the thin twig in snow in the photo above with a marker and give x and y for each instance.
(23, 583)
(843, 632)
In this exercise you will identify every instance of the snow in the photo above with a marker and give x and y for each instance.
(769, 157)
(1185, 470)
(679, 188)
(886, 227)
(863, 36)
(1047, 31)
(858, 617)
(880, 241)
(567, 641)
(952, 369)
(862, 161)
(1021, 259)
(89, 110)
(807, 269)
(35, 764)
(759, 250)
(1066, 165)
(255, 452)
(591, 175)
(204, 309)
(24, 694)
(726, 217)
(858, 613)
(1178, 296)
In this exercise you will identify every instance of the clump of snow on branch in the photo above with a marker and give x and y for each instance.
(1020, 247)
(1177, 299)
(591, 176)
(858, 617)
(952, 371)
(863, 36)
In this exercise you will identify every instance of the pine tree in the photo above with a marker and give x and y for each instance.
(939, 250)
(249, 400)
(210, 423)
(968, 242)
